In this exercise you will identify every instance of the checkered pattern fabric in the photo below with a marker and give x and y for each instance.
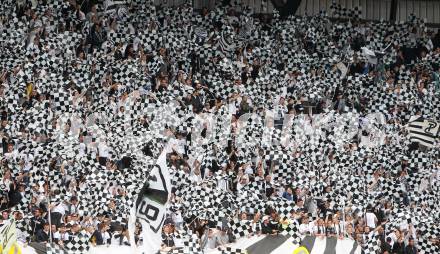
(240, 228)
(54, 249)
(292, 57)
(230, 250)
(190, 244)
(372, 245)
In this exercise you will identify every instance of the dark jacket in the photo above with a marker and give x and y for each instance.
(14, 196)
(36, 225)
(41, 236)
(168, 240)
(398, 248)
(96, 36)
(410, 249)
(266, 229)
(98, 237)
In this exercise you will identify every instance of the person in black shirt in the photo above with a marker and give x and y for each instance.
(410, 248)
(274, 222)
(268, 186)
(14, 194)
(100, 236)
(386, 247)
(197, 100)
(37, 222)
(399, 246)
(330, 229)
(167, 234)
(266, 227)
(42, 235)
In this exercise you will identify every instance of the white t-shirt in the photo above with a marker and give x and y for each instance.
(82, 149)
(105, 237)
(61, 236)
(6, 184)
(28, 159)
(104, 150)
(371, 220)
(232, 108)
(116, 240)
(249, 170)
(60, 208)
(195, 178)
(305, 229)
(12, 155)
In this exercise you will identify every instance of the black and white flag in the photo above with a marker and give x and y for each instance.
(150, 206)
(225, 43)
(423, 131)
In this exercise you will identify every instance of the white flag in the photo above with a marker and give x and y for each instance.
(150, 207)
(423, 131)
(8, 236)
(370, 55)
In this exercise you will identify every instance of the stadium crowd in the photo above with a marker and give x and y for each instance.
(61, 178)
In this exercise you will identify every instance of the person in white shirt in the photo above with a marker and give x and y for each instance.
(61, 235)
(371, 218)
(5, 181)
(82, 149)
(28, 159)
(120, 236)
(58, 212)
(103, 153)
(304, 227)
(243, 181)
(178, 219)
(319, 228)
(196, 176)
(12, 153)
(223, 182)
(248, 169)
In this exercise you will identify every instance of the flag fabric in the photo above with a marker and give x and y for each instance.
(372, 244)
(437, 81)
(370, 55)
(423, 131)
(225, 43)
(281, 244)
(318, 245)
(8, 237)
(230, 250)
(150, 206)
(52, 248)
(340, 11)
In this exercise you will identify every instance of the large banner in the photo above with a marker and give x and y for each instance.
(150, 207)
(280, 244)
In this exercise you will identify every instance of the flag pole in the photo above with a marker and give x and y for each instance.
(48, 214)
(343, 216)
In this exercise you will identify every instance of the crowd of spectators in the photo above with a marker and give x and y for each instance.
(28, 198)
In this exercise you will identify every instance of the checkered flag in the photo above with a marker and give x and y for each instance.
(343, 12)
(240, 228)
(427, 245)
(231, 250)
(62, 101)
(391, 188)
(189, 241)
(53, 248)
(78, 243)
(293, 231)
(372, 245)
(282, 206)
